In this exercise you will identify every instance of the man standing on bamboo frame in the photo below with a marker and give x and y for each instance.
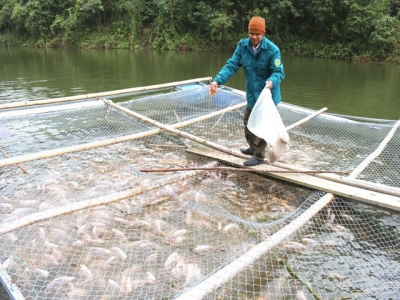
(263, 68)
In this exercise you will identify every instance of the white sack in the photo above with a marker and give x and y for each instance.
(266, 123)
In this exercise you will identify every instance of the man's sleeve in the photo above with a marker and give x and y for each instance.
(275, 64)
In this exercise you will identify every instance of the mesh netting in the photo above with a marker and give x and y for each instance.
(90, 223)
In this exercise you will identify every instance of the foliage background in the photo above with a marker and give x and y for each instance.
(343, 29)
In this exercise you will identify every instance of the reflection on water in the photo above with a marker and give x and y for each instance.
(350, 88)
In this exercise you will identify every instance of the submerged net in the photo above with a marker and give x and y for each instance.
(82, 219)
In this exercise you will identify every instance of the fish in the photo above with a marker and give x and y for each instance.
(111, 259)
(343, 228)
(330, 243)
(7, 264)
(336, 229)
(330, 216)
(177, 240)
(100, 251)
(61, 234)
(77, 243)
(300, 295)
(180, 270)
(41, 272)
(336, 276)
(189, 217)
(138, 283)
(97, 241)
(193, 274)
(122, 255)
(137, 243)
(42, 233)
(309, 241)
(179, 232)
(86, 272)
(74, 184)
(51, 259)
(151, 258)
(49, 245)
(158, 226)
(12, 237)
(76, 293)
(130, 223)
(82, 229)
(60, 281)
(128, 284)
(99, 230)
(150, 278)
(347, 217)
(57, 254)
(113, 284)
(202, 248)
(120, 234)
(201, 224)
(149, 245)
(231, 226)
(295, 246)
(312, 235)
(172, 259)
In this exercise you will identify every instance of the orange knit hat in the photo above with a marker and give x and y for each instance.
(257, 25)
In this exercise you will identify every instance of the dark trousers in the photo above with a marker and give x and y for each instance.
(256, 144)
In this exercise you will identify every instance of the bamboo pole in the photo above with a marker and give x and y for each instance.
(221, 277)
(306, 119)
(354, 182)
(49, 108)
(235, 169)
(103, 200)
(18, 165)
(357, 171)
(222, 116)
(76, 148)
(103, 94)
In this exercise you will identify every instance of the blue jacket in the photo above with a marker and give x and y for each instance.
(264, 65)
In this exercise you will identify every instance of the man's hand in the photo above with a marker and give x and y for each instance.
(213, 88)
(268, 84)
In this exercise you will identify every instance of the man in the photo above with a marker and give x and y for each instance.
(261, 61)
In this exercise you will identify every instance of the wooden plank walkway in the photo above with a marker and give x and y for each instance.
(339, 189)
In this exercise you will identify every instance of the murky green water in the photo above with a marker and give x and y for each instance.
(350, 88)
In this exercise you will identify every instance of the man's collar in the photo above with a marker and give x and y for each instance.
(262, 44)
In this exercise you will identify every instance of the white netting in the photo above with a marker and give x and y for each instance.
(90, 223)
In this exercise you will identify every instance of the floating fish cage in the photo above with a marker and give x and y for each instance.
(141, 194)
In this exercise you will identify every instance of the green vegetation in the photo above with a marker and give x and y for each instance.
(343, 29)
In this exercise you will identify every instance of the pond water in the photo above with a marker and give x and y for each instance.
(344, 87)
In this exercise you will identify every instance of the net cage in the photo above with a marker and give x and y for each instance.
(100, 201)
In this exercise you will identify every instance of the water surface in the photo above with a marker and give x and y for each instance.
(344, 87)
